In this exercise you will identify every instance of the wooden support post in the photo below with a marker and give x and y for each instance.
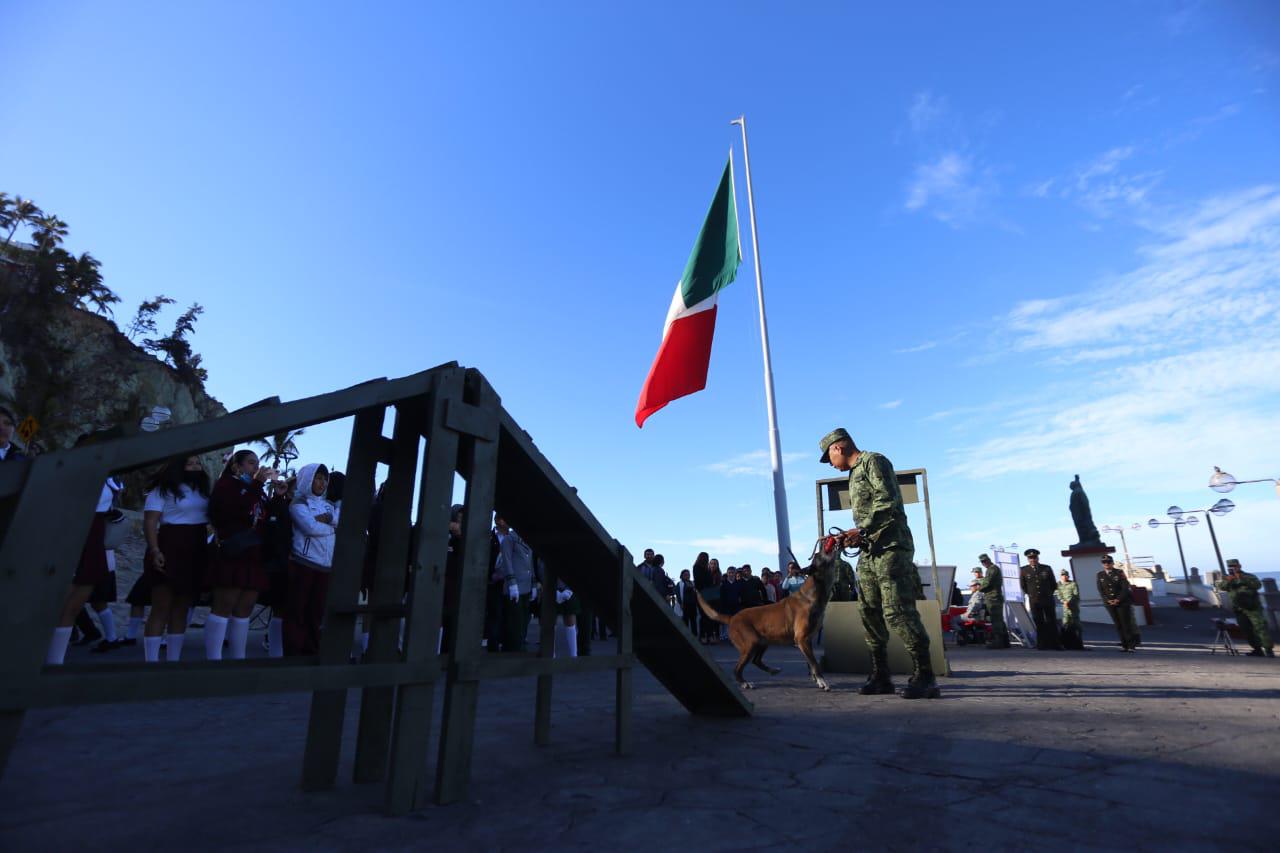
(387, 588)
(546, 649)
(48, 521)
(407, 783)
(478, 460)
(328, 707)
(622, 731)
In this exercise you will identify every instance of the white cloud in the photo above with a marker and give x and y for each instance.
(925, 111)
(892, 404)
(756, 463)
(951, 189)
(1175, 363)
(918, 347)
(1101, 186)
(1215, 276)
(731, 544)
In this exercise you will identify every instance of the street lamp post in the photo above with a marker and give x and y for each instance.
(1116, 528)
(1223, 482)
(1221, 508)
(1178, 522)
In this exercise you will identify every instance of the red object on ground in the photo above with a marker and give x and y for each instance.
(952, 613)
(1189, 603)
(1142, 598)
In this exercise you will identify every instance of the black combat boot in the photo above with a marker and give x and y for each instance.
(922, 685)
(1271, 653)
(878, 682)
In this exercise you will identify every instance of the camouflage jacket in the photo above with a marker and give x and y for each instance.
(877, 505)
(992, 585)
(1114, 585)
(1069, 594)
(1038, 583)
(1243, 591)
(842, 589)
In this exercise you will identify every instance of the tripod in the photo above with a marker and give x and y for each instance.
(1223, 639)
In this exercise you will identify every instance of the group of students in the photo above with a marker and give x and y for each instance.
(271, 544)
(734, 591)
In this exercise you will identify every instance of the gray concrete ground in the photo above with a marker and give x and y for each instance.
(1168, 748)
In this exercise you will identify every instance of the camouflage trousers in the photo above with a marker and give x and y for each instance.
(999, 631)
(887, 587)
(1254, 626)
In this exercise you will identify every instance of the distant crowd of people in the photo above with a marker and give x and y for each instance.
(729, 592)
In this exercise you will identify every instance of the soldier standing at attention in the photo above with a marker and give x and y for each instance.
(1038, 584)
(1069, 594)
(887, 577)
(1113, 586)
(992, 587)
(1243, 589)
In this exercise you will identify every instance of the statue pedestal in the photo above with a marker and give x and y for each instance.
(1086, 562)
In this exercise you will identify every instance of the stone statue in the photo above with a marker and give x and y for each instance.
(1083, 517)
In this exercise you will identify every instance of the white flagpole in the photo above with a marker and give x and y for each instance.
(775, 443)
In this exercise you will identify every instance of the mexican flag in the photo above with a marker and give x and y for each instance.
(680, 368)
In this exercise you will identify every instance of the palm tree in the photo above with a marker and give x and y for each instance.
(6, 211)
(21, 211)
(81, 279)
(280, 449)
(49, 232)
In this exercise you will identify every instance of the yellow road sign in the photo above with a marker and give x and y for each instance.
(27, 429)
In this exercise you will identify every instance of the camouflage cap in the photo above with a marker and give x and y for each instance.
(1233, 563)
(837, 434)
(984, 558)
(1065, 573)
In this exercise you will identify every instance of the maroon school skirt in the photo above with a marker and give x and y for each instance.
(93, 558)
(140, 593)
(244, 571)
(186, 560)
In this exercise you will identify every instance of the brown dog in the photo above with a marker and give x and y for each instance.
(792, 621)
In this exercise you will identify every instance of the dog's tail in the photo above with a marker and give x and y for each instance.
(711, 612)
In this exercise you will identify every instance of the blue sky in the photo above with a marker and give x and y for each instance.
(1008, 244)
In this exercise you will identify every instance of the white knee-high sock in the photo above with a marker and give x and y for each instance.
(215, 631)
(571, 640)
(58, 646)
(237, 637)
(135, 627)
(151, 649)
(173, 648)
(275, 638)
(108, 620)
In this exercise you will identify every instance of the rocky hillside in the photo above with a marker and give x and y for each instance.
(74, 371)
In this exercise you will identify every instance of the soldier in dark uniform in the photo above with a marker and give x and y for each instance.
(1113, 586)
(1036, 579)
(992, 587)
(888, 582)
(1242, 588)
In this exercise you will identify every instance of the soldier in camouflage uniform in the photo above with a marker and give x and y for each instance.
(842, 590)
(1036, 579)
(1069, 594)
(992, 588)
(1243, 588)
(1113, 586)
(887, 579)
